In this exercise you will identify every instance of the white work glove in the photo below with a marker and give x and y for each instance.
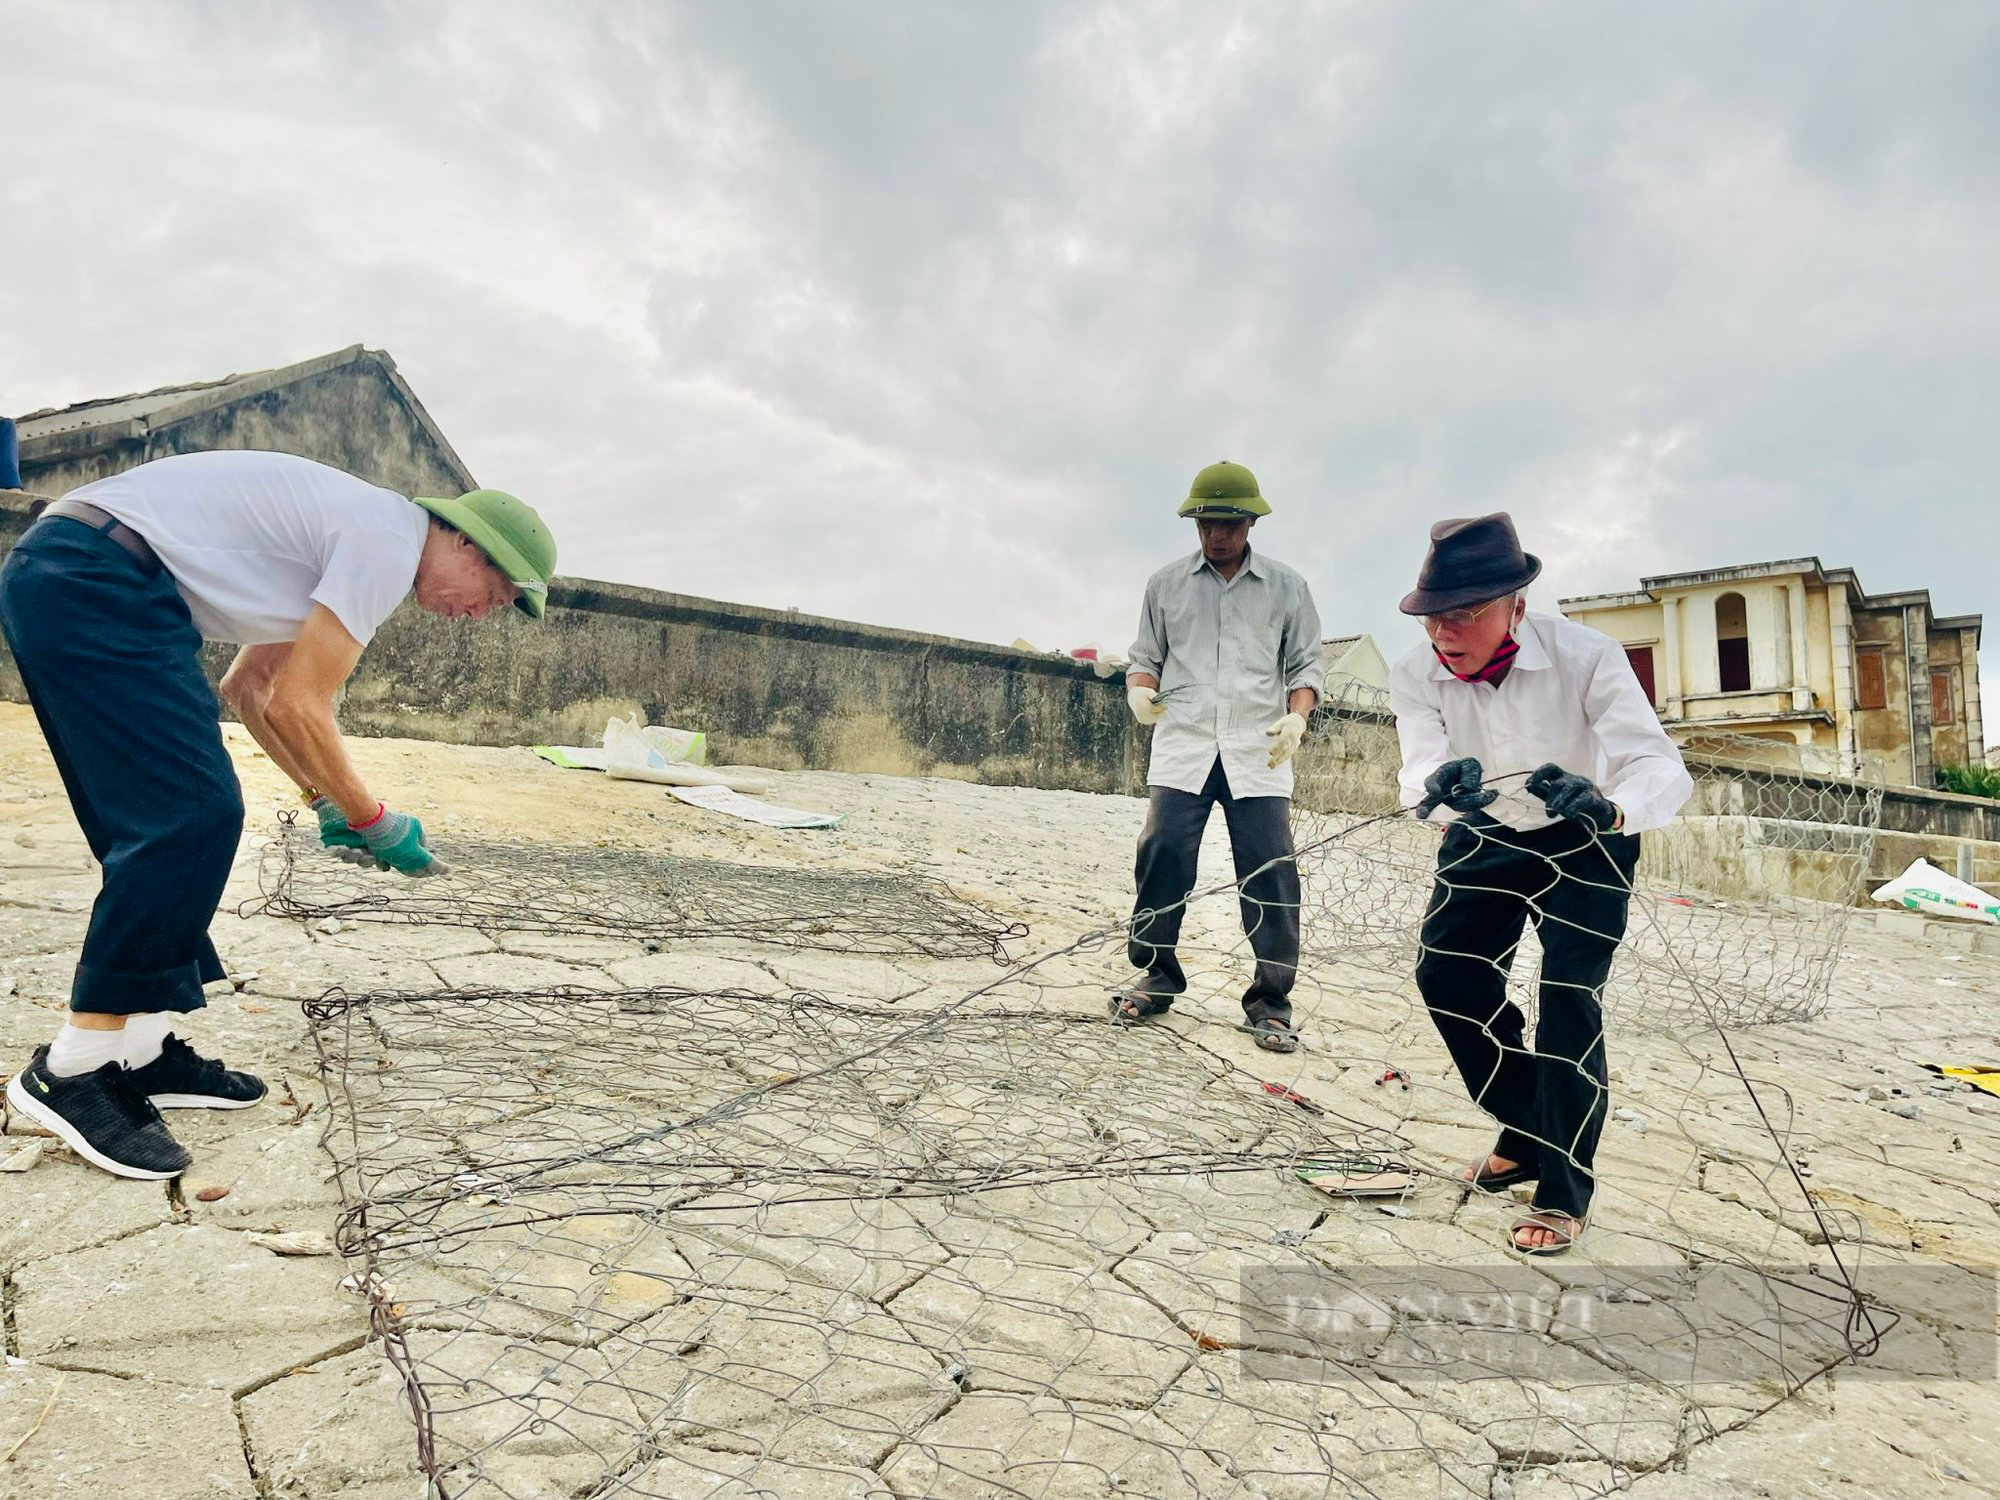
(1285, 736)
(1144, 708)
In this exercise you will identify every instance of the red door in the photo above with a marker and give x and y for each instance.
(1641, 658)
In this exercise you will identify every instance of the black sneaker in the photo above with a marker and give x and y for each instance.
(181, 1078)
(100, 1117)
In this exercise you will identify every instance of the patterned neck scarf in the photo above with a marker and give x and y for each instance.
(1495, 671)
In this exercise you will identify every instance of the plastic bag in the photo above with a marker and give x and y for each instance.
(1925, 888)
(632, 745)
(671, 757)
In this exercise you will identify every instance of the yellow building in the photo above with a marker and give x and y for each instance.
(1799, 654)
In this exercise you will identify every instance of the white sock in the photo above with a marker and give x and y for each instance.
(136, 1043)
(145, 1035)
(76, 1051)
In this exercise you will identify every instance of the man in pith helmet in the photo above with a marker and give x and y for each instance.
(1226, 669)
(105, 602)
(1530, 735)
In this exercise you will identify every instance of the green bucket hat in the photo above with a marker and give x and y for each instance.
(1224, 489)
(510, 534)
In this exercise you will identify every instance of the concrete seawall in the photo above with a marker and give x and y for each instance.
(770, 687)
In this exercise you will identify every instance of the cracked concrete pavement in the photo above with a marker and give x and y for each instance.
(153, 1347)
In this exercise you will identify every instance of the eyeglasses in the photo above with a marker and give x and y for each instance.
(1458, 619)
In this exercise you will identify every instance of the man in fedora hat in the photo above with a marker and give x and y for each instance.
(1530, 735)
(1234, 638)
(105, 602)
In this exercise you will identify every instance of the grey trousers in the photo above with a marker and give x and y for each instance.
(1260, 841)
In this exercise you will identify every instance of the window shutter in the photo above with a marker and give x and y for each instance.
(1641, 658)
(1870, 688)
(1941, 713)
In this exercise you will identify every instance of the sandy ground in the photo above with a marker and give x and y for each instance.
(153, 1347)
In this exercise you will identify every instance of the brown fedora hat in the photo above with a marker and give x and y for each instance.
(1471, 561)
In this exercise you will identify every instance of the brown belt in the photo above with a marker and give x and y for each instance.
(106, 524)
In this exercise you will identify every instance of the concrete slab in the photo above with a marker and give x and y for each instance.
(991, 1445)
(63, 1206)
(104, 1437)
(703, 1472)
(589, 952)
(677, 967)
(807, 1378)
(1018, 1326)
(278, 1174)
(517, 971)
(1902, 924)
(551, 1419)
(229, 1311)
(1304, 1440)
(869, 1249)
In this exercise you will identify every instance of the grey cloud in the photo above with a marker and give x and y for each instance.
(933, 308)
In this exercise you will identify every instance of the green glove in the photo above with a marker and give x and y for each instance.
(396, 842)
(333, 830)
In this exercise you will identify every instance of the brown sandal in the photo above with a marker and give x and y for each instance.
(1136, 1007)
(1479, 1179)
(1272, 1034)
(1565, 1227)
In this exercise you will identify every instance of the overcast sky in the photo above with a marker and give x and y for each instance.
(925, 313)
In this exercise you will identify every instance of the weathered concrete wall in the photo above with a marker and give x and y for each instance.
(356, 416)
(771, 688)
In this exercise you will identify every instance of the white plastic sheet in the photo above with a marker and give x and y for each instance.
(1925, 888)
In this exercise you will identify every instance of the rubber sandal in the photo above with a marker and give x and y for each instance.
(1483, 1181)
(1136, 1007)
(1272, 1036)
(1566, 1227)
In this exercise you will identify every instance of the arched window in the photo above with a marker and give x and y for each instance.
(1732, 643)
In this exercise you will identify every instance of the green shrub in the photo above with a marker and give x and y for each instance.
(1970, 781)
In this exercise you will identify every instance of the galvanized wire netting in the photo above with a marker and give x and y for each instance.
(552, 888)
(1745, 898)
(681, 1242)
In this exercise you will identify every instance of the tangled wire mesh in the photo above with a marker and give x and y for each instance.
(688, 1242)
(586, 892)
(1741, 905)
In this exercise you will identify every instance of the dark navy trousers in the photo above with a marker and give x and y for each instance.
(112, 664)
(1575, 886)
(1260, 842)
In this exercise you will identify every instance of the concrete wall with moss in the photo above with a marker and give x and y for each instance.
(771, 688)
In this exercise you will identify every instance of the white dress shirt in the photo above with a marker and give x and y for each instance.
(1570, 698)
(1231, 652)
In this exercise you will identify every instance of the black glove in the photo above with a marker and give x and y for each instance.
(1575, 797)
(1455, 785)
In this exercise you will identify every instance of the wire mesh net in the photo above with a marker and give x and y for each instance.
(602, 892)
(1740, 905)
(679, 1242)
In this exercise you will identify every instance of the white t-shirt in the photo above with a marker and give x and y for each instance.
(254, 540)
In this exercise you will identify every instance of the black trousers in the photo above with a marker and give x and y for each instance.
(1575, 886)
(111, 661)
(1260, 841)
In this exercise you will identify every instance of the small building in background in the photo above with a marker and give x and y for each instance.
(1354, 659)
(350, 409)
(1799, 656)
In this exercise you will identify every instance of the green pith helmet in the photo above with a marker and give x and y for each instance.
(510, 534)
(1222, 490)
